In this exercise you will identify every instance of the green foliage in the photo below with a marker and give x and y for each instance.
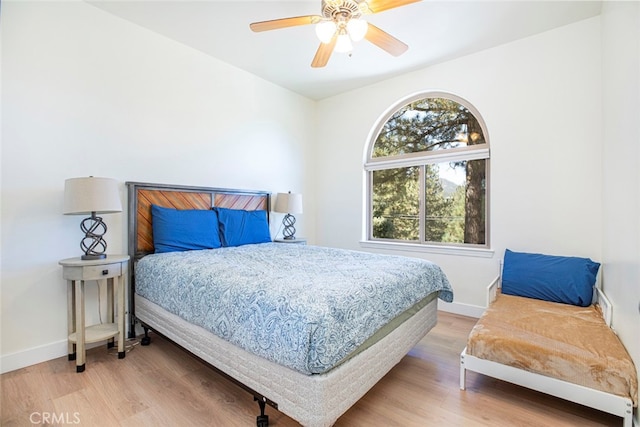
(438, 206)
(455, 228)
(396, 203)
(430, 124)
(426, 125)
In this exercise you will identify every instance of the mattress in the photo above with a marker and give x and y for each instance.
(305, 307)
(557, 340)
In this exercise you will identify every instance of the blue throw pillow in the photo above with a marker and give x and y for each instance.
(568, 280)
(183, 230)
(241, 227)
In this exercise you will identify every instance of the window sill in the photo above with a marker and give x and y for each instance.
(434, 249)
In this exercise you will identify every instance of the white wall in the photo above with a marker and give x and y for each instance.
(621, 159)
(541, 100)
(85, 93)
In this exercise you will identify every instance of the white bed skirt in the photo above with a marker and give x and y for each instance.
(312, 400)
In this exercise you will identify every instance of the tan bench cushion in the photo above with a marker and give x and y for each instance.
(562, 341)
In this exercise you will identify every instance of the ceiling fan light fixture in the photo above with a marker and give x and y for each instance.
(343, 44)
(340, 24)
(357, 29)
(325, 30)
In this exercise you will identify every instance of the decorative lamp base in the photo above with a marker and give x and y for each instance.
(93, 245)
(289, 230)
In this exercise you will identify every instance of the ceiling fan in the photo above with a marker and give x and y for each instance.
(341, 23)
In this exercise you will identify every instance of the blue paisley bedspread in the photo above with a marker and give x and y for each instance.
(305, 307)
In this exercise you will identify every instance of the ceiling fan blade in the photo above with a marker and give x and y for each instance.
(376, 6)
(385, 41)
(324, 53)
(284, 23)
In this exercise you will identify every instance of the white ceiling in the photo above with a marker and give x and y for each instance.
(435, 31)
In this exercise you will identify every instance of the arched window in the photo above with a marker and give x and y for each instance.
(427, 170)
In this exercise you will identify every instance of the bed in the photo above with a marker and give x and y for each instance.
(308, 333)
(558, 340)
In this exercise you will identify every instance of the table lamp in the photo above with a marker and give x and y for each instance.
(289, 203)
(90, 196)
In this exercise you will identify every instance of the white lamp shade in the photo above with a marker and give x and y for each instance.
(343, 44)
(289, 203)
(357, 29)
(91, 194)
(325, 30)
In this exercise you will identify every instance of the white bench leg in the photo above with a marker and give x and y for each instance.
(463, 371)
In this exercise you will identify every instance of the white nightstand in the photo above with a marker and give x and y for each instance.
(108, 270)
(298, 240)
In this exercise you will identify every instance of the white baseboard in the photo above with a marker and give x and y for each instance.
(461, 309)
(35, 355)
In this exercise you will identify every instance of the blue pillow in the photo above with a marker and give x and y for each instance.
(568, 280)
(183, 230)
(241, 227)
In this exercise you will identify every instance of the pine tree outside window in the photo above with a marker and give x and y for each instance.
(427, 172)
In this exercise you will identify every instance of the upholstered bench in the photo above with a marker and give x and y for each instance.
(562, 349)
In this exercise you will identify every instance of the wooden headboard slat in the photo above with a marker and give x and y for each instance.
(237, 201)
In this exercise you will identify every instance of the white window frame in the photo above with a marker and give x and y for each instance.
(421, 159)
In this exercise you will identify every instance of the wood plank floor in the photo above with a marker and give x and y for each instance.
(162, 385)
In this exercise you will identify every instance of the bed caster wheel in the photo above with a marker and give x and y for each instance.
(146, 340)
(262, 421)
